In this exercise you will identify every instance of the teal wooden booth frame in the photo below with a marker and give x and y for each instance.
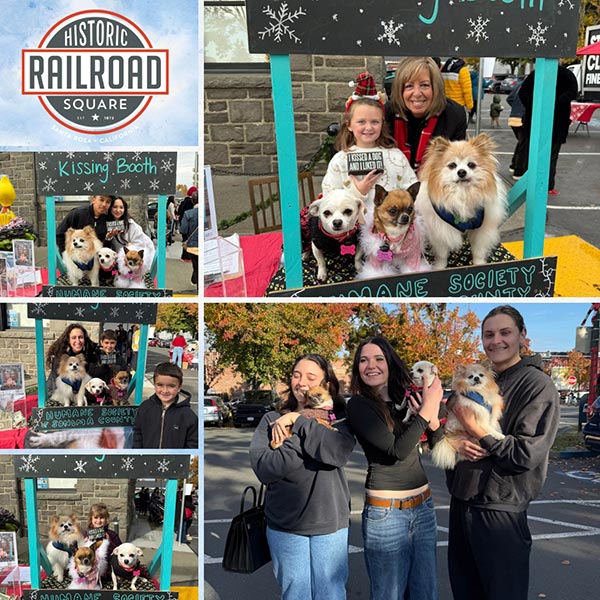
(163, 558)
(532, 188)
(158, 269)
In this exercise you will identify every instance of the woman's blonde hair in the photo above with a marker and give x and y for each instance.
(345, 138)
(407, 70)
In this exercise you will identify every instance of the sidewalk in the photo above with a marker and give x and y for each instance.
(178, 273)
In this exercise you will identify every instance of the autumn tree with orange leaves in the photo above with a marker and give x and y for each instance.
(261, 341)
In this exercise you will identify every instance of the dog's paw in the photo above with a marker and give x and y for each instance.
(322, 275)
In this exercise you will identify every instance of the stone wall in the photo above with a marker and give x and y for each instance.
(20, 169)
(117, 494)
(239, 124)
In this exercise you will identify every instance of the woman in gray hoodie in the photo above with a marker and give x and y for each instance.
(489, 540)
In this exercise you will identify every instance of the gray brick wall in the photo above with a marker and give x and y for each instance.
(238, 122)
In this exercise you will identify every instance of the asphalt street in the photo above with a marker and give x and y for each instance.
(564, 521)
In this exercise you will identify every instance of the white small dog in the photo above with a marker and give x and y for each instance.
(70, 380)
(97, 392)
(423, 373)
(107, 259)
(80, 255)
(333, 227)
(125, 564)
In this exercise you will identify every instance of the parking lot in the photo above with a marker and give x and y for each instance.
(565, 523)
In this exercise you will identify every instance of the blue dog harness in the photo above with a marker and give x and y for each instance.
(479, 399)
(462, 226)
(85, 266)
(75, 385)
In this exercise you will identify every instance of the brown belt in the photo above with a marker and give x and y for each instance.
(411, 502)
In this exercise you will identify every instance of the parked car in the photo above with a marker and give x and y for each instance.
(152, 209)
(496, 81)
(582, 413)
(152, 341)
(252, 405)
(442, 414)
(508, 83)
(591, 430)
(214, 410)
(164, 343)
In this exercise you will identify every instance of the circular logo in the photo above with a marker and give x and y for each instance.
(95, 72)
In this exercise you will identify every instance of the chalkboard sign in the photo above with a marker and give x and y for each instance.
(106, 466)
(105, 173)
(49, 594)
(518, 279)
(66, 291)
(361, 163)
(95, 313)
(60, 418)
(525, 28)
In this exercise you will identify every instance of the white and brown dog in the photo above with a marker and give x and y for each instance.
(392, 238)
(81, 255)
(65, 537)
(333, 228)
(70, 380)
(87, 565)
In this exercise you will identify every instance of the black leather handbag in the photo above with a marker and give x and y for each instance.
(246, 547)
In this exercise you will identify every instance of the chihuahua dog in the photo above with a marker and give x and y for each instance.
(392, 240)
(474, 387)
(87, 565)
(107, 259)
(97, 392)
(131, 267)
(333, 227)
(119, 388)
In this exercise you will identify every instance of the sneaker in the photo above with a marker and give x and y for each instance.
(189, 538)
(553, 193)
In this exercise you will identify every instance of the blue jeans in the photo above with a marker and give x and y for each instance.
(310, 567)
(400, 552)
(177, 355)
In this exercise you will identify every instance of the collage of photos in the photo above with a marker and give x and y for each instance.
(401, 301)
(101, 489)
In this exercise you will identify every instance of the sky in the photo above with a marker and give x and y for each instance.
(551, 326)
(169, 120)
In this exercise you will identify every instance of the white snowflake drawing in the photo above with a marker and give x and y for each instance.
(139, 314)
(548, 274)
(42, 166)
(137, 156)
(569, 3)
(49, 184)
(108, 156)
(39, 309)
(79, 311)
(80, 466)
(390, 29)
(125, 183)
(88, 186)
(167, 166)
(334, 17)
(70, 155)
(281, 20)
(127, 463)
(163, 465)
(478, 29)
(537, 34)
(29, 463)
(154, 184)
(114, 311)
(359, 42)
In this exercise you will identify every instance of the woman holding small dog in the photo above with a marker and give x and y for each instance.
(363, 129)
(73, 340)
(398, 520)
(307, 502)
(491, 489)
(419, 110)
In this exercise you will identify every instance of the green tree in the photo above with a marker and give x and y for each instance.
(178, 317)
(261, 341)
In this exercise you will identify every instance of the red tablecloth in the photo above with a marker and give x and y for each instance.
(261, 254)
(581, 112)
(15, 438)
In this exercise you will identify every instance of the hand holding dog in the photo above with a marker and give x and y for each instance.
(365, 184)
(281, 426)
(470, 450)
(467, 419)
(430, 405)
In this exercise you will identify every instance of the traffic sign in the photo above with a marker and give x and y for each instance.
(572, 380)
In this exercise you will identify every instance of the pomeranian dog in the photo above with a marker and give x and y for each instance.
(125, 564)
(461, 193)
(119, 388)
(88, 564)
(319, 406)
(65, 537)
(80, 255)
(392, 239)
(70, 381)
(474, 387)
(333, 228)
(131, 268)
(107, 259)
(97, 393)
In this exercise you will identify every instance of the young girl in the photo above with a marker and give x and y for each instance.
(98, 520)
(364, 129)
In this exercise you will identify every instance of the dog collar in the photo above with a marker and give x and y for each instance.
(384, 253)
(75, 385)
(110, 270)
(61, 546)
(85, 266)
(462, 226)
(479, 399)
(340, 237)
(130, 275)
